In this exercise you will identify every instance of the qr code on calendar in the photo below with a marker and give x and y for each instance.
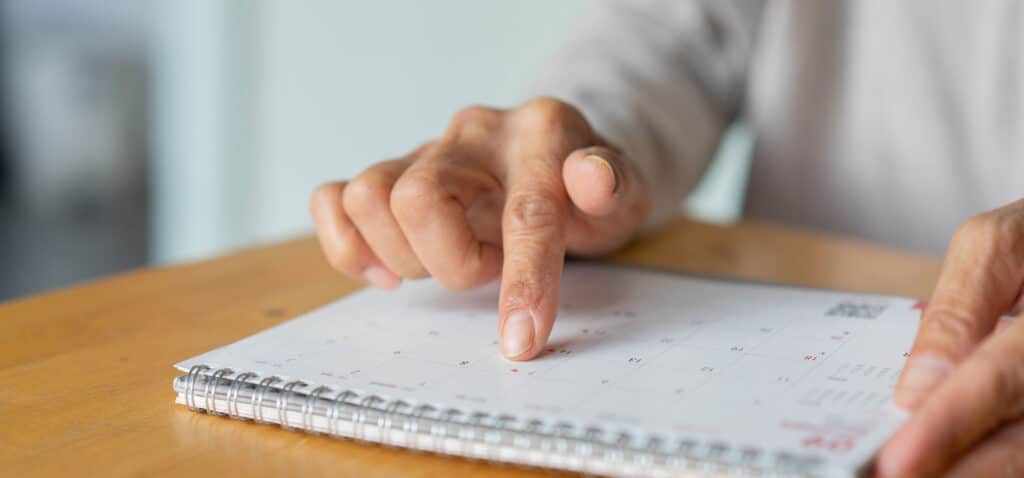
(856, 310)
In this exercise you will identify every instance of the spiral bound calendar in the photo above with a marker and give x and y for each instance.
(647, 373)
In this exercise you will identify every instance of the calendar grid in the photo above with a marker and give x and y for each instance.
(642, 354)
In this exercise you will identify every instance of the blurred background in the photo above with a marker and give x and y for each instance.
(137, 132)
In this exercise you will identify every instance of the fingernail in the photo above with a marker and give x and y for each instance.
(921, 374)
(517, 334)
(604, 162)
(381, 277)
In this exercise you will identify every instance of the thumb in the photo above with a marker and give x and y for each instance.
(980, 281)
(611, 201)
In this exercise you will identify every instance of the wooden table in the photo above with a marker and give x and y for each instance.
(85, 373)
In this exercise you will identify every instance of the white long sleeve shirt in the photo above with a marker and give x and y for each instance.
(890, 121)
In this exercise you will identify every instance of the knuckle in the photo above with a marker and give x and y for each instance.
(367, 192)
(947, 327)
(525, 291)
(519, 294)
(998, 233)
(981, 228)
(550, 114)
(474, 114)
(323, 196)
(534, 210)
(413, 193)
(469, 268)
(472, 122)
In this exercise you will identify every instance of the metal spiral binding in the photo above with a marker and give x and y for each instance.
(386, 421)
(446, 419)
(232, 399)
(474, 427)
(359, 415)
(339, 400)
(190, 385)
(257, 397)
(501, 425)
(282, 405)
(309, 406)
(412, 426)
(585, 447)
(400, 423)
(209, 396)
(563, 431)
(532, 429)
(654, 444)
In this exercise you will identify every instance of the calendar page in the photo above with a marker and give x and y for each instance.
(647, 352)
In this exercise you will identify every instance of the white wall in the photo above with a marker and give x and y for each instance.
(345, 84)
(261, 100)
(197, 178)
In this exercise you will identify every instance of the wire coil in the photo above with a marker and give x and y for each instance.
(298, 405)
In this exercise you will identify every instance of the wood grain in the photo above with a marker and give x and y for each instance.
(85, 373)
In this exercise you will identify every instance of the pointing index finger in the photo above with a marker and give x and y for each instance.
(534, 226)
(533, 229)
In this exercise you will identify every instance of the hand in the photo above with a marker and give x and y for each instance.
(964, 380)
(502, 192)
